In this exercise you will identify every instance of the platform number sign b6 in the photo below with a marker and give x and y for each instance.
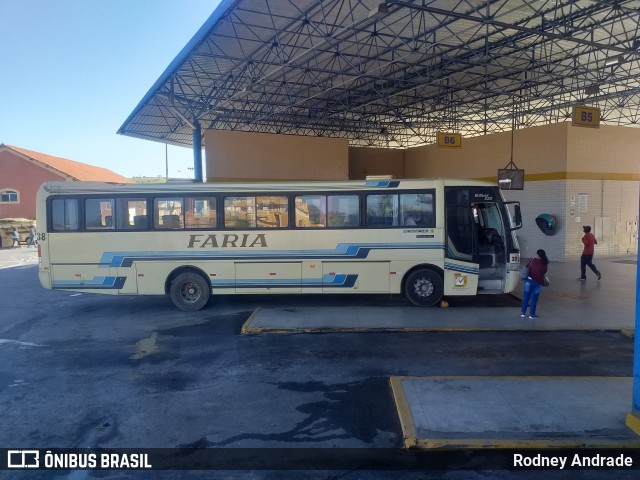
(585, 116)
(447, 139)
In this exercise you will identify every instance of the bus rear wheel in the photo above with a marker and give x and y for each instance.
(424, 287)
(189, 292)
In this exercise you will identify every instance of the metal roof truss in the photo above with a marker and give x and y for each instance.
(393, 74)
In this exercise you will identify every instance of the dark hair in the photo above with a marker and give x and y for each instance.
(543, 256)
(586, 228)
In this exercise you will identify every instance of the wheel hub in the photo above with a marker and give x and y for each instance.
(191, 292)
(423, 287)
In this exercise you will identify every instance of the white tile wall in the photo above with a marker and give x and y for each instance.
(611, 210)
(535, 199)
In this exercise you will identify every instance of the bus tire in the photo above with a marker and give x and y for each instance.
(189, 291)
(424, 287)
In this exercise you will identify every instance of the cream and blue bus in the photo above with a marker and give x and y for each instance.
(425, 239)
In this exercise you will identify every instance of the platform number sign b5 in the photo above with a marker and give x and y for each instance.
(585, 116)
(450, 140)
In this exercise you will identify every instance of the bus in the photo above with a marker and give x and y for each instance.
(424, 238)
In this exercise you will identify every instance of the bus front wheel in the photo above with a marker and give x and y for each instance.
(424, 287)
(189, 292)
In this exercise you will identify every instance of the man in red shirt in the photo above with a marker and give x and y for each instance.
(589, 241)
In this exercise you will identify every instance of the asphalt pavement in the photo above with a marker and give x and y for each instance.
(78, 369)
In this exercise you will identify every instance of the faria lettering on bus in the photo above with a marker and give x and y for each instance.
(228, 240)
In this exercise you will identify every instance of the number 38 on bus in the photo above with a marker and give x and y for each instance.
(425, 239)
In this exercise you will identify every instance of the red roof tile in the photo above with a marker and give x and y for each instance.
(76, 170)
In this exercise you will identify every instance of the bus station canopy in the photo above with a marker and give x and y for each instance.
(392, 74)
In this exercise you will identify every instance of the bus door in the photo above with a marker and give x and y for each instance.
(460, 264)
(490, 246)
(475, 242)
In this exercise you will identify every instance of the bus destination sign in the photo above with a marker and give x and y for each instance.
(450, 140)
(585, 116)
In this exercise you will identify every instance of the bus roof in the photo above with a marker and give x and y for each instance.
(222, 187)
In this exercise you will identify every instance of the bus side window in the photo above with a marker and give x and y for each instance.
(131, 213)
(98, 213)
(417, 209)
(311, 211)
(382, 210)
(272, 211)
(200, 212)
(344, 210)
(240, 212)
(167, 213)
(64, 214)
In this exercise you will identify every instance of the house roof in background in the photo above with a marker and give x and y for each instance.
(75, 170)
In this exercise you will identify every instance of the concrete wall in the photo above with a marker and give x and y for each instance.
(365, 161)
(610, 153)
(537, 198)
(603, 171)
(538, 150)
(563, 165)
(242, 156)
(610, 207)
(24, 176)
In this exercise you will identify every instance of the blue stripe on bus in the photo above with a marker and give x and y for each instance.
(328, 281)
(382, 183)
(461, 268)
(341, 252)
(97, 283)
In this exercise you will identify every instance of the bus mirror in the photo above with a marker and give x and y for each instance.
(515, 214)
(517, 217)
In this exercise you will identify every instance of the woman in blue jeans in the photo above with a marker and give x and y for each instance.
(533, 283)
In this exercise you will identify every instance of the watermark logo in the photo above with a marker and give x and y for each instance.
(23, 459)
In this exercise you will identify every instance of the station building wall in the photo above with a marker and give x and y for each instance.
(603, 164)
(364, 161)
(581, 176)
(245, 156)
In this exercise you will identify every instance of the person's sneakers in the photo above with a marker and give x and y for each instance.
(533, 316)
(522, 315)
(582, 278)
(599, 275)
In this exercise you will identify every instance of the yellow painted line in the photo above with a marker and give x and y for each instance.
(407, 424)
(411, 440)
(458, 443)
(246, 326)
(248, 330)
(633, 422)
(548, 176)
(627, 332)
(510, 377)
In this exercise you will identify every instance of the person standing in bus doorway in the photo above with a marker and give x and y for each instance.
(589, 241)
(533, 283)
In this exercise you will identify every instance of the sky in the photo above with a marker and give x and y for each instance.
(72, 71)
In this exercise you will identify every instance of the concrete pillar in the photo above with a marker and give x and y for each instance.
(633, 418)
(197, 151)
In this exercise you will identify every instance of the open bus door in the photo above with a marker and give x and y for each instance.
(477, 232)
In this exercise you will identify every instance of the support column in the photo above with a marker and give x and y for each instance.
(197, 151)
(633, 418)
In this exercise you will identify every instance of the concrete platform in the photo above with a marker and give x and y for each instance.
(567, 304)
(514, 412)
(501, 412)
